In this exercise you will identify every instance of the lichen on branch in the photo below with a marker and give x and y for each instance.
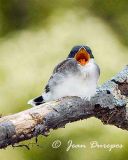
(108, 105)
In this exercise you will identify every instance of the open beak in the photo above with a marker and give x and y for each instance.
(82, 56)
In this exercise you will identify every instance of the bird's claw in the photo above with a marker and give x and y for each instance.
(86, 98)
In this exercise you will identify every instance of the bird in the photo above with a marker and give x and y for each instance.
(77, 75)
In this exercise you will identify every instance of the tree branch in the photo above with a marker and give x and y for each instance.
(108, 105)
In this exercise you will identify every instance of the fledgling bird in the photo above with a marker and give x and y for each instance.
(76, 76)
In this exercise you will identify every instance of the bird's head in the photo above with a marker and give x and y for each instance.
(82, 54)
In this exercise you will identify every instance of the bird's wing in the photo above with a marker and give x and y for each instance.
(60, 66)
(98, 69)
(66, 66)
(69, 65)
(57, 76)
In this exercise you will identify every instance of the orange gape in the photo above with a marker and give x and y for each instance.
(82, 62)
(82, 57)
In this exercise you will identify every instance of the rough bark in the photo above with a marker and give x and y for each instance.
(108, 105)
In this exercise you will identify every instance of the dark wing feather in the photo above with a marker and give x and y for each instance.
(38, 100)
(68, 65)
(47, 89)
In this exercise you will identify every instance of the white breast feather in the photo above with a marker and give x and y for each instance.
(83, 86)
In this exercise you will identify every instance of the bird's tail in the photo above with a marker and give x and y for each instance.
(36, 101)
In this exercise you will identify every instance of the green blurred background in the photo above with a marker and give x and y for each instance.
(37, 34)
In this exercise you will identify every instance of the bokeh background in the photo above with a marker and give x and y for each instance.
(37, 34)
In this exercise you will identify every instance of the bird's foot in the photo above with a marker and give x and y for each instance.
(86, 98)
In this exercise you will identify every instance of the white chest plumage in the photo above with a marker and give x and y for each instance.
(82, 85)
